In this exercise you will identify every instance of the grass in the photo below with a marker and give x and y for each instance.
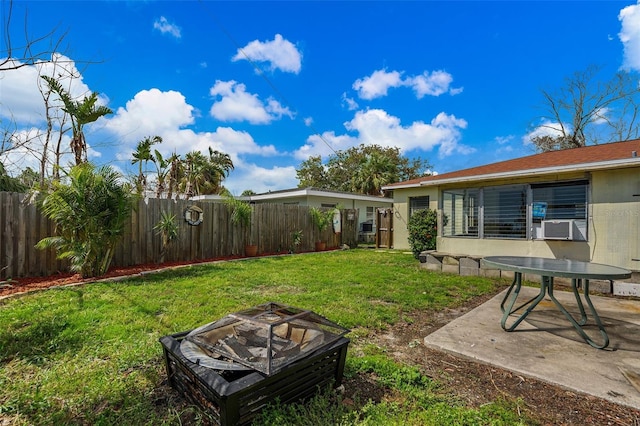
(90, 354)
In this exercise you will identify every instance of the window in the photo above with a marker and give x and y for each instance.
(505, 212)
(511, 211)
(370, 213)
(418, 203)
(561, 201)
(367, 225)
(460, 213)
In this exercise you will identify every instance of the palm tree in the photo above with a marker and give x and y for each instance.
(204, 175)
(219, 167)
(376, 171)
(194, 163)
(162, 170)
(176, 171)
(81, 113)
(89, 213)
(142, 155)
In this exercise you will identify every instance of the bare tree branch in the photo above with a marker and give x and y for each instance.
(586, 111)
(32, 52)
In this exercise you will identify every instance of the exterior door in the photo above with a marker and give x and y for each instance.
(384, 228)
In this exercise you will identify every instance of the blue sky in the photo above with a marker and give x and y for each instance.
(271, 83)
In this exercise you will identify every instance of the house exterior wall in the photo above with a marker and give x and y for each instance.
(615, 239)
(319, 201)
(401, 200)
(613, 221)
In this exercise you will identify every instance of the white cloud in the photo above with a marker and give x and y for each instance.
(237, 144)
(502, 140)
(279, 54)
(504, 144)
(260, 179)
(236, 104)
(20, 97)
(377, 84)
(324, 145)
(546, 128)
(630, 36)
(22, 110)
(350, 103)
(378, 127)
(165, 27)
(149, 113)
(166, 114)
(435, 83)
(30, 145)
(601, 116)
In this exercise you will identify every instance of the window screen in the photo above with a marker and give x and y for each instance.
(505, 212)
(460, 212)
(562, 201)
(418, 203)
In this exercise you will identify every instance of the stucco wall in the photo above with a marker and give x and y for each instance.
(615, 219)
(614, 222)
(401, 212)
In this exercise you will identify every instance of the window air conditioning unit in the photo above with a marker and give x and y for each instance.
(558, 229)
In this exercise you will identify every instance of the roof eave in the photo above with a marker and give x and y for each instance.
(307, 192)
(537, 172)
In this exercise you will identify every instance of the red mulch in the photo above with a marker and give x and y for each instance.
(27, 284)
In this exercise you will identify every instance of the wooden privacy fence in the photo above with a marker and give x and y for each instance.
(272, 227)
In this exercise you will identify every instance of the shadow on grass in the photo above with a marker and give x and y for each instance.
(42, 336)
(37, 341)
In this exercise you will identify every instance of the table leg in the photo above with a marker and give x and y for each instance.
(531, 303)
(583, 320)
(575, 283)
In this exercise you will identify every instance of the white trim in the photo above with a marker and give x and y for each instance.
(307, 192)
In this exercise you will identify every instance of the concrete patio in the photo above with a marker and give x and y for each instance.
(546, 346)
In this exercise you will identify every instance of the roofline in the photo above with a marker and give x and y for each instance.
(611, 164)
(301, 192)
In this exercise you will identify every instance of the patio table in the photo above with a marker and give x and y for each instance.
(579, 272)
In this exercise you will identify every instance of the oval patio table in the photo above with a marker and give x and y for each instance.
(579, 272)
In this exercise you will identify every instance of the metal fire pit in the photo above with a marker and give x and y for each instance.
(232, 384)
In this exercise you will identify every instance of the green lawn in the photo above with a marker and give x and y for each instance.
(90, 354)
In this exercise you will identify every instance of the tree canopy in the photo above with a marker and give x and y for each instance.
(364, 169)
(195, 174)
(587, 111)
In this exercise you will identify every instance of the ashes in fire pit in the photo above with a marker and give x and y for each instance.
(265, 338)
(234, 366)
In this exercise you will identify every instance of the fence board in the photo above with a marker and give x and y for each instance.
(22, 226)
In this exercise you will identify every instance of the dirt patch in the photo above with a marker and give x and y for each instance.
(472, 382)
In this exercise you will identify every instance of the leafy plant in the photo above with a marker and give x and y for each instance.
(167, 228)
(240, 212)
(423, 229)
(80, 113)
(321, 218)
(89, 213)
(296, 240)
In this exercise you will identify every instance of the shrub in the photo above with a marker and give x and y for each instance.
(89, 212)
(423, 229)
